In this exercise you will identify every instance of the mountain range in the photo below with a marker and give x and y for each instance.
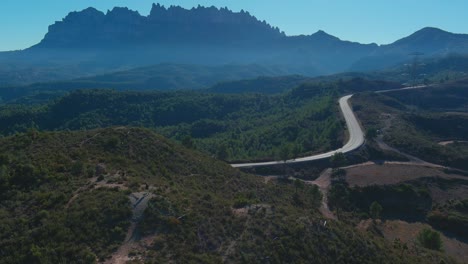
(91, 42)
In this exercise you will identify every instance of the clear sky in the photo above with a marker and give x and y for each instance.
(24, 22)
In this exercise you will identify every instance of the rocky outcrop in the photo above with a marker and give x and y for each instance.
(91, 28)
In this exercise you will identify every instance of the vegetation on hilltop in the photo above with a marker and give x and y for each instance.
(54, 208)
(233, 127)
(451, 96)
(415, 121)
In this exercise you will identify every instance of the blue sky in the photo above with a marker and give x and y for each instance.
(24, 22)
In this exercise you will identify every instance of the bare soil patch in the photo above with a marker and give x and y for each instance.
(442, 195)
(132, 242)
(407, 233)
(449, 142)
(244, 211)
(383, 174)
(323, 182)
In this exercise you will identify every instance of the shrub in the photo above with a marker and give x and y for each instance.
(338, 160)
(240, 202)
(430, 239)
(375, 210)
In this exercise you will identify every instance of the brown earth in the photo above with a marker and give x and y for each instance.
(323, 182)
(393, 173)
(407, 233)
(132, 242)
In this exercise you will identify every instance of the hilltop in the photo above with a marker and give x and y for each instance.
(66, 197)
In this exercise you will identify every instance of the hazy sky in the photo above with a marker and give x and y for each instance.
(24, 22)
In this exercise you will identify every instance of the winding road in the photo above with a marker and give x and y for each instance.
(356, 139)
(356, 135)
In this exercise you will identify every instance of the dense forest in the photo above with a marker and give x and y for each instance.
(232, 127)
(244, 125)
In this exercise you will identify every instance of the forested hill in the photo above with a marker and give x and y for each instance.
(65, 197)
(231, 126)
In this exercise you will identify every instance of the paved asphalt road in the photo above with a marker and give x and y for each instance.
(356, 135)
(356, 139)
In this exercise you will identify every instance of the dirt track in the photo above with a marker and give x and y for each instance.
(323, 182)
(139, 203)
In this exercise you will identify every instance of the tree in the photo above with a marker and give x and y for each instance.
(371, 133)
(296, 150)
(112, 142)
(338, 160)
(315, 195)
(375, 210)
(222, 152)
(298, 184)
(285, 152)
(430, 239)
(4, 159)
(187, 141)
(33, 133)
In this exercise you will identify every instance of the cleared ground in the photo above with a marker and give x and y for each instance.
(407, 233)
(393, 173)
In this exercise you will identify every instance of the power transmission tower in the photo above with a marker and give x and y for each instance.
(414, 67)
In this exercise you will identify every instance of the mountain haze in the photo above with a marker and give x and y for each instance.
(91, 42)
(428, 41)
(122, 38)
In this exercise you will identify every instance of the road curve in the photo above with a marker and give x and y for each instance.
(356, 139)
(356, 135)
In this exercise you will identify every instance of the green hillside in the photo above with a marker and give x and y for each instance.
(64, 199)
(415, 121)
(240, 126)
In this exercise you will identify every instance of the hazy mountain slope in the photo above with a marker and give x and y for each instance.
(266, 85)
(427, 41)
(157, 77)
(430, 41)
(90, 41)
(171, 77)
(123, 38)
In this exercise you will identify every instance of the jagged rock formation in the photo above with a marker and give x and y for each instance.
(120, 26)
(91, 41)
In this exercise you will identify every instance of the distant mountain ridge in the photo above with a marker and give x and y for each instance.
(91, 40)
(91, 27)
(124, 38)
(428, 41)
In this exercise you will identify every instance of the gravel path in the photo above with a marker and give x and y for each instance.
(139, 201)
